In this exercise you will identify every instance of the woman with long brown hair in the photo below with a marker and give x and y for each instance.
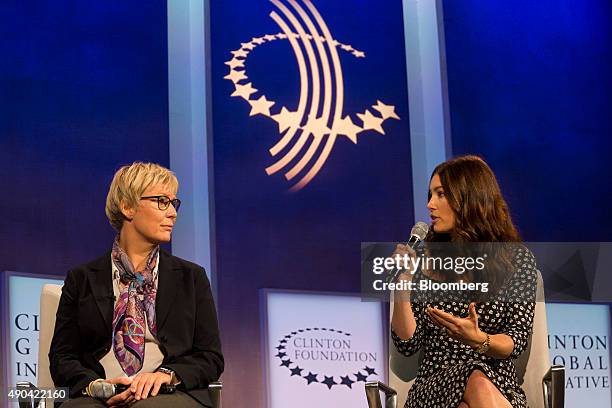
(469, 340)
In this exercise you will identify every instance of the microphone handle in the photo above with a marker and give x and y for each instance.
(164, 389)
(413, 242)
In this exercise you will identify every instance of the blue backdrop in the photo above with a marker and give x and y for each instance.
(83, 90)
(529, 88)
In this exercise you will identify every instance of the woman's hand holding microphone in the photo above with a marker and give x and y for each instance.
(405, 255)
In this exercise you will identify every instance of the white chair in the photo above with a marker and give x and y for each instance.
(544, 385)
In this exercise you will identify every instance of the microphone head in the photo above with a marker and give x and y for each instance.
(420, 230)
(102, 390)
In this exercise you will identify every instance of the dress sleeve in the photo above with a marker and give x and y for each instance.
(520, 298)
(410, 346)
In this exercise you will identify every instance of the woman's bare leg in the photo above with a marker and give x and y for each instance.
(480, 392)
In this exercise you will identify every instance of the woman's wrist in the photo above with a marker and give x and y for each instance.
(173, 377)
(483, 347)
(480, 339)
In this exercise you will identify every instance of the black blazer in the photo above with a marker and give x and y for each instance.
(187, 326)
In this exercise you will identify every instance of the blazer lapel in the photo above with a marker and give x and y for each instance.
(166, 288)
(101, 283)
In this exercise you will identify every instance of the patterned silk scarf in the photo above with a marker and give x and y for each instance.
(136, 303)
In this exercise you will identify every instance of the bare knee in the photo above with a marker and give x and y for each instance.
(479, 381)
(480, 391)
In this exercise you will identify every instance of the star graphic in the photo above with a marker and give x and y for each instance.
(347, 128)
(279, 348)
(235, 76)
(240, 53)
(286, 119)
(234, 62)
(247, 46)
(360, 377)
(370, 371)
(289, 122)
(387, 111)
(281, 355)
(283, 341)
(316, 126)
(285, 363)
(244, 91)
(296, 371)
(371, 122)
(329, 381)
(347, 381)
(311, 377)
(288, 336)
(293, 333)
(261, 106)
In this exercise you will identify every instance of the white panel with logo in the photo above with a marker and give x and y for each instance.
(320, 349)
(23, 325)
(579, 339)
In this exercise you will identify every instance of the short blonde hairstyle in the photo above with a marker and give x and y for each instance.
(128, 185)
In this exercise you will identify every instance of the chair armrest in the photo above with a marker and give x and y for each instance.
(553, 386)
(214, 389)
(373, 389)
(27, 402)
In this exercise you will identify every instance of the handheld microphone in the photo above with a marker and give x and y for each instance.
(103, 390)
(417, 235)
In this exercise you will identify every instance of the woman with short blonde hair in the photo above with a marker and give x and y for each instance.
(130, 182)
(138, 316)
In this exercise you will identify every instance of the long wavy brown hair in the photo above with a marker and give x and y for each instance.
(481, 215)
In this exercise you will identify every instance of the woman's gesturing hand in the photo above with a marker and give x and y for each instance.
(464, 329)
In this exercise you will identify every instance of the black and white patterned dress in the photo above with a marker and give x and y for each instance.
(447, 363)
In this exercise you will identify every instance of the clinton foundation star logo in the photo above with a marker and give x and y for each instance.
(308, 133)
(326, 354)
